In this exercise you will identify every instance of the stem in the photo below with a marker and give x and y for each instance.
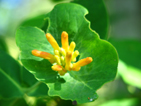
(14, 102)
(33, 87)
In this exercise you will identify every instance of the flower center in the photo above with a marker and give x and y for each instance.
(64, 58)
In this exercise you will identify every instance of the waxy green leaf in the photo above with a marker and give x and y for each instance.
(16, 80)
(13, 102)
(129, 68)
(37, 21)
(28, 39)
(9, 76)
(97, 16)
(82, 85)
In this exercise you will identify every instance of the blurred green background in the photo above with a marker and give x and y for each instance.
(124, 33)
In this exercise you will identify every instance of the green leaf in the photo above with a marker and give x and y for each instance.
(97, 16)
(35, 39)
(13, 102)
(129, 51)
(37, 21)
(3, 45)
(16, 80)
(9, 76)
(31, 86)
(80, 85)
(130, 65)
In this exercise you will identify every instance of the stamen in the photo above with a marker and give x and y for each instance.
(62, 60)
(82, 62)
(56, 52)
(68, 60)
(57, 67)
(52, 41)
(74, 55)
(72, 46)
(57, 59)
(64, 40)
(62, 51)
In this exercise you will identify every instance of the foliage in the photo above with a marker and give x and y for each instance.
(99, 19)
(90, 77)
(18, 79)
(29, 80)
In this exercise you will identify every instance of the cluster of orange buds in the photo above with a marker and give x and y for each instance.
(64, 58)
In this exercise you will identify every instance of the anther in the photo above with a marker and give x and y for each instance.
(62, 51)
(56, 52)
(62, 60)
(52, 41)
(57, 59)
(74, 55)
(72, 46)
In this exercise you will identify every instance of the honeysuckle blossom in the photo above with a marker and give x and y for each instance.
(64, 58)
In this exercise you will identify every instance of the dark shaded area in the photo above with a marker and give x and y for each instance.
(129, 51)
(59, 81)
(42, 68)
(77, 58)
(38, 21)
(61, 102)
(97, 16)
(3, 45)
(13, 102)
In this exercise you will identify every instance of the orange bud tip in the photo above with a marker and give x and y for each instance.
(64, 34)
(56, 67)
(76, 68)
(82, 62)
(89, 60)
(42, 54)
(36, 52)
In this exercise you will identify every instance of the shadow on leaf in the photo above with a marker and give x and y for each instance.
(41, 69)
(59, 81)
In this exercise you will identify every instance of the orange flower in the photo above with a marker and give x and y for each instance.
(64, 57)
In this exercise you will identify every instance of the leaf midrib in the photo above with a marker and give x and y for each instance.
(84, 83)
(11, 80)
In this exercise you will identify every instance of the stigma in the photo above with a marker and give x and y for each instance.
(64, 58)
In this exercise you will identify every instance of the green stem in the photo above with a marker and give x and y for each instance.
(33, 87)
(14, 102)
